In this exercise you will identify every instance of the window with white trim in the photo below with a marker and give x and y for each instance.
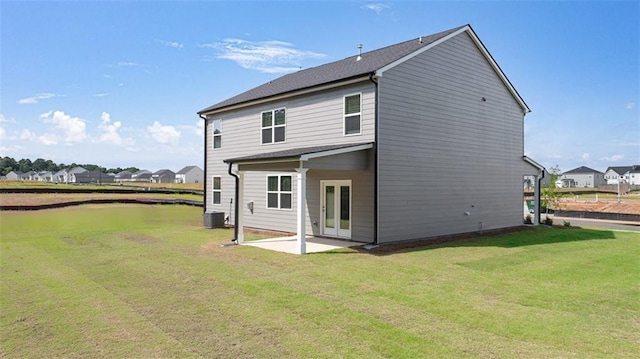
(217, 134)
(352, 115)
(273, 126)
(279, 193)
(217, 190)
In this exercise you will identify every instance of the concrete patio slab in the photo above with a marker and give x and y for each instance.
(289, 244)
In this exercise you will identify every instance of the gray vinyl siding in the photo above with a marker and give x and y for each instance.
(443, 151)
(311, 120)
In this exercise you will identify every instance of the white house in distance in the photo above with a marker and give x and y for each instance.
(190, 174)
(622, 174)
(415, 140)
(582, 177)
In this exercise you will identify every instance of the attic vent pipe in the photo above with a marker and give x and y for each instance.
(420, 39)
(359, 52)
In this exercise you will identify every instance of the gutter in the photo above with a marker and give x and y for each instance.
(237, 205)
(375, 161)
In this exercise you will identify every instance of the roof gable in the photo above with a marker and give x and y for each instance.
(620, 170)
(340, 72)
(582, 169)
(187, 169)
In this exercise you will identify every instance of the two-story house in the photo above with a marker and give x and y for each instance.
(583, 177)
(415, 140)
(616, 175)
(190, 174)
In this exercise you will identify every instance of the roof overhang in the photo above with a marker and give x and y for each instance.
(482, 49)
(533, 163)
(285, 95)
(300, 154)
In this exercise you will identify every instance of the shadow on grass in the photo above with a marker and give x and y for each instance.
(507, 238)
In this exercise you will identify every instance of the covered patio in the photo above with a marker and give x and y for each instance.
(344, 158)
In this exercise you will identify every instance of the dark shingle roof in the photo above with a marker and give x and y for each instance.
(620, 169)
(582, 169)
(293, 153)
(186, 169)
(332, 72)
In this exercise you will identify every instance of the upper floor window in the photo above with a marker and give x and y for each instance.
(217, 190)
(279, 192)
(217, 134)
(273, 126)
(352, 112)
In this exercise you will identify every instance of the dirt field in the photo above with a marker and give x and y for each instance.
(625, 206)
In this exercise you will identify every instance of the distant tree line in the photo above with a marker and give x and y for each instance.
(8, 164)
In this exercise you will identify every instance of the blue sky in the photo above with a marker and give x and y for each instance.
(119, 83)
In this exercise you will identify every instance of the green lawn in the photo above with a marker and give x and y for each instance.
(150, 281)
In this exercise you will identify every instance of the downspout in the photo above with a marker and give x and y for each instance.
(375, 162)
(204, 208)
(237, 206)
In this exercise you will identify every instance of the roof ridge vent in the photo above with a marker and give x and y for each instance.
(359, 46)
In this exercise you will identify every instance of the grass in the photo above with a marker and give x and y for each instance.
(150, 281)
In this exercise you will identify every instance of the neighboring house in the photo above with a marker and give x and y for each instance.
(141, 176)
(123, 176)
(70, 176)
(93, 177)
(15, 176)
(190, 174)
(30, 176)
(163, 176)
(415, 140)
(615, 175)
(582, 177)
(44, 176)
(634, 175)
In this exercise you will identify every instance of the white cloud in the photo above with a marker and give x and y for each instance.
(166, 135)
(377, 7)
(36, 98)
(47, 139)
(630, 105)
(6, 120)
(125, 64)
(73, 129)
(585, 156)
(3, 133)
(614, 158)
(100, 94)
(110, 132)
(265, 56)
(175, 45)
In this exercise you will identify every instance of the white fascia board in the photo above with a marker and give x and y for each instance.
(338, 151)
(482, 49)
(533, 163)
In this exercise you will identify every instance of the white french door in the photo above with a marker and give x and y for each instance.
(336, 208)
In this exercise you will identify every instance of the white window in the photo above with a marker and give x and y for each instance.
(217, 134)
(352, 112)
(217, 190)
(273, 126)
(279, 192)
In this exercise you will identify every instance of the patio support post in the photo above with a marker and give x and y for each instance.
(301, 205)
(536, 200)
(240, 213)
